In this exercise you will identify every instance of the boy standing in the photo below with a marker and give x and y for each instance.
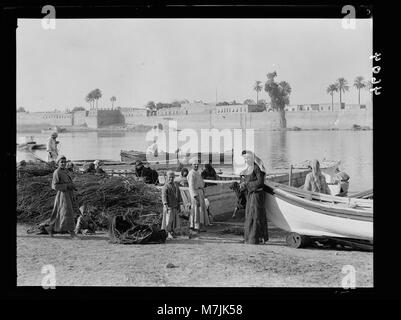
(171, 197)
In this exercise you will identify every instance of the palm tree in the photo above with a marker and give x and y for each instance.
(279, 94)
(258, 87)
(359, 84)
(90, 99)
(113, 99)
(330, 90)
(97, 94)
(342, 85)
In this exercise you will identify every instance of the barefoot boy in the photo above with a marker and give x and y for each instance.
(171, 197)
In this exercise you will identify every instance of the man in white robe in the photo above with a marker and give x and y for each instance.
(51, 148)
(198, 218)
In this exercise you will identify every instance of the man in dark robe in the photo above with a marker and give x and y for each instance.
(255, 227)
(149, 175)
(209, 173)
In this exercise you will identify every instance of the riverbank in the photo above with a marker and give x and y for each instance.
(113, 128)
(215, 259)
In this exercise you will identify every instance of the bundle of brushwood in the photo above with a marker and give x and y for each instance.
(124, 229)
(104, 198)
(34, 169)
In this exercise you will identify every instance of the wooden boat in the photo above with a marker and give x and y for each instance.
(173, 160)
(367, 194)
(54, 129)
(223, 200)
(27, 143)
(309, 214)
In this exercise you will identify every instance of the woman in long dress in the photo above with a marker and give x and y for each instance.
(62, 218)
(255, 227)
(315, 180)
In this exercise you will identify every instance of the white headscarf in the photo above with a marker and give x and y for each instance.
(194, 160)
(249, 168)
(59, 158)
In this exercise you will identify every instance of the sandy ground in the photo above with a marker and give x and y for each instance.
(213, 260)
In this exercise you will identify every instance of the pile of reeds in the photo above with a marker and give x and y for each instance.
(34, 169)
(104, 197)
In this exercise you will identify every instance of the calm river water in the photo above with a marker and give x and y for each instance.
(277, 149)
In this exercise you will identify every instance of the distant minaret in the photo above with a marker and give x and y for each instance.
(216, 96)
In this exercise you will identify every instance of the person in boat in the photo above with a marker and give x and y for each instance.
(199, 218)
(51, 147)
(172, 201)
(183, 182)
(63, 215)
(209, 173)
(147, 174)
(90, 168)
(98, 167)
(315, 180)
(255, 226)
(342, 179)
(70, 167)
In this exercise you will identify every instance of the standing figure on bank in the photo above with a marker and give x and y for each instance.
(63, 216)
(255, 227)
(315, 180)
(51, 147)
(198, 218)
(172, 201)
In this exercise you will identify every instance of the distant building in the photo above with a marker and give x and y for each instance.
(324, 107)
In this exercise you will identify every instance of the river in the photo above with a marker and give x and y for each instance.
(277, 149)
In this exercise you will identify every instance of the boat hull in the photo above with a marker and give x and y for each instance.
(172, 160)
(223, 200)
(318, 221)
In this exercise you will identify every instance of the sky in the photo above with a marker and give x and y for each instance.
(162, 60)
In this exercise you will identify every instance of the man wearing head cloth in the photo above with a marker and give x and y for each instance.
(51, 147)
(198, 218)
(255, 225)
(62, 218)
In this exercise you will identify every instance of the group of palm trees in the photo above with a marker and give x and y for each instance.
(341, 85)
(94, 96)
(279, 94)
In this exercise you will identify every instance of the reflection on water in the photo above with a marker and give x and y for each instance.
(277, 149)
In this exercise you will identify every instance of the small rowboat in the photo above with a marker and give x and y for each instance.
(223, 200)
(54, 129)
(173, 160)
(308, 215)
(28, 144)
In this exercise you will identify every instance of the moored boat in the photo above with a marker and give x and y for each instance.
(223, 200)
(54, 129)
(173, 160)
(28, 143)
(313, 214)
